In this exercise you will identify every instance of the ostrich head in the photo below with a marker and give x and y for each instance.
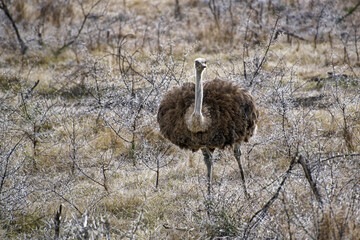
(200, 64)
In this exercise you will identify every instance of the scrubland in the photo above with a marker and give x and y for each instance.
(81, 154)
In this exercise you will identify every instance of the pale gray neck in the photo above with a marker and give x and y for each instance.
(198, 93)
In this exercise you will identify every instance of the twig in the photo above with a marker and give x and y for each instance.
(215, 12)
(68, 201)
(245, 46)
(167, 226)
(318, 26)
(31, 89)
(3, 177)
(116, 132)
(355, 42)
(89, 177)
(351, 11)
(265, 54)
(86, 16)
(338, 156)
(282, 31)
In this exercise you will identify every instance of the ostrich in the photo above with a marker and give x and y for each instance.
(217, 114)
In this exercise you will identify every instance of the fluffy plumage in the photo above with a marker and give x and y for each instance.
(231, 110)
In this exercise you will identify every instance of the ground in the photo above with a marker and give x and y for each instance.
(81, 153)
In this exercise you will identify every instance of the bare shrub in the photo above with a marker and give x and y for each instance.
(78, 128)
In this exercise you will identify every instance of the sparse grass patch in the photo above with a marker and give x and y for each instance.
(123, 206)
(23, 224)
(8, 83)
(107, 139)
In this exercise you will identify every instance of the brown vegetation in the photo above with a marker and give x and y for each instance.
(80, 151)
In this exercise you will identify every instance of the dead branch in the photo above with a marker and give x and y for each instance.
(4, 7)
(291, 34)
(310, 180)
(260, 215)
(86, 16)
(7, 160)
(265, 54)
(351, 11)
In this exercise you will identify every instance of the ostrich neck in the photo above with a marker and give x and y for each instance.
(195, 120)
(198, 94)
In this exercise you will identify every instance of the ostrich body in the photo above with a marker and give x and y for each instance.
(217, 114)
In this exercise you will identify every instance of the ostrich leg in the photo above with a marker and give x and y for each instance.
(208, 162)
(237, 153)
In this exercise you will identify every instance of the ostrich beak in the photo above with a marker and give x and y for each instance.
(203, 65)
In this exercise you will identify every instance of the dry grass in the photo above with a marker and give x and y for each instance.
(86, 136)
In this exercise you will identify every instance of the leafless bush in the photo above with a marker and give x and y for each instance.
(78, 128)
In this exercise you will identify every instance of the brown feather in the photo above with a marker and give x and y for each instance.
(232, 111)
